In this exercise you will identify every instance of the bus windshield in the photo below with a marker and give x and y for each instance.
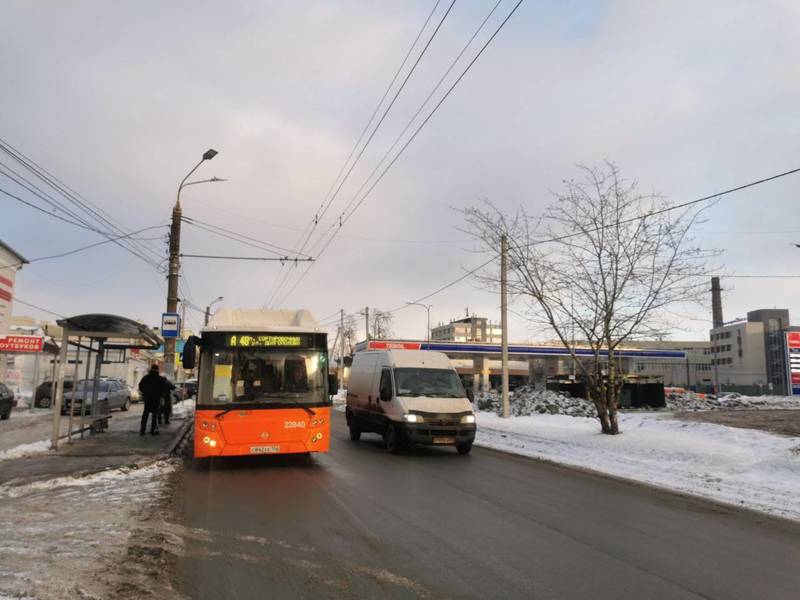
(263, 376)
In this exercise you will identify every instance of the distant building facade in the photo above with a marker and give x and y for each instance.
(751, 353)
(468, 329)
(693, 373)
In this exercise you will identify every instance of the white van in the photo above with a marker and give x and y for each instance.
(409, 397)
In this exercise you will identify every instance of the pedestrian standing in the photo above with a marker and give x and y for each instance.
(166, 402)
(152, 388)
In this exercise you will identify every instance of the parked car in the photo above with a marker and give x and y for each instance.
(113, 390)
(190, 388)
(44, 393)
(7, 401)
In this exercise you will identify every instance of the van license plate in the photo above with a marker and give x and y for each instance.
(264, 449)
(444, 440)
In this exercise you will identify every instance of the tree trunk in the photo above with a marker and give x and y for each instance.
(613, 388)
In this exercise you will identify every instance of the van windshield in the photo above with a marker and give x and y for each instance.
(443, 383)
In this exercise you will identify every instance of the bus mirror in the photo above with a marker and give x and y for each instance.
(190, 353)
(333, 384)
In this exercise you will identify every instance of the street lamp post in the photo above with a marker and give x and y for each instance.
(174, 262)
(208, 309)
(427, 308)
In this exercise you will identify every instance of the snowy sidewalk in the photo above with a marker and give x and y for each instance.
(120, 445)
(741, 467)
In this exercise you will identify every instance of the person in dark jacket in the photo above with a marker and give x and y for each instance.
(165, 411)
(152, 387)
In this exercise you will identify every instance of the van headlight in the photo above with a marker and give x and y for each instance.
(409, 418)
(467, 419)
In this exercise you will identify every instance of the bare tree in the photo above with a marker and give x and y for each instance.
(381, 324)
(350, 334)
(604, 263)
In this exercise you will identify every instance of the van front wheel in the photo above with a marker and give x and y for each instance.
(355, 430)
(463, 448)
(392, 439)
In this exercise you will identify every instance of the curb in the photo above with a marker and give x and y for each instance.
(180, 435)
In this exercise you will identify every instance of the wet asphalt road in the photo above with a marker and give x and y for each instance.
(360, 523)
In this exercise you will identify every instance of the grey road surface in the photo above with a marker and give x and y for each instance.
(360, 523)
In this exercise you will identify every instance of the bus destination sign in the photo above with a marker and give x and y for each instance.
(263, 341)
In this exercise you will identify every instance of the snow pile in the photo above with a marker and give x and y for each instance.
(183, 409)
(25, 450)
(51, 550)
(525, 401)
(693, 402)
(741, 467)
(340, 399)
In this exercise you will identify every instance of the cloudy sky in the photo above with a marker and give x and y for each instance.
(119, 101)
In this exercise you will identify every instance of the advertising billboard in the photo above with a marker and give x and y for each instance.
(793, 361)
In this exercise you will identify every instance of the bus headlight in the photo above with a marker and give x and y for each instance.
(409, 418)
(467, 419)
(212, 443)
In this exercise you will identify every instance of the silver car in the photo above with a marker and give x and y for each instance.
(115, 392)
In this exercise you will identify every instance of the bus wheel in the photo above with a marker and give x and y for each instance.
(392, 439)
(355, 430)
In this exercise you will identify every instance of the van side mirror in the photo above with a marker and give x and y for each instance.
(333, 384)
(386, 394)
(189, 358)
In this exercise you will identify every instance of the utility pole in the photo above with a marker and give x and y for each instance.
(175, 261)
(172, 284)
(504, 320)
(366, 318)
(341, 351)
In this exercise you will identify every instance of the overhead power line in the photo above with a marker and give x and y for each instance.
(343, 220)
(282, 259)
(82, 248)
(39, 308)
(95, 218)
(326, 204)
(612, 225)
(238, 236)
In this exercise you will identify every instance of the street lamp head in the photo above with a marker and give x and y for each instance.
(209, 154)
(215, 179)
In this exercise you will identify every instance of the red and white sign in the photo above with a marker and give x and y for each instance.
(6, 294)
(21, 343)
(378, 345)
(793, 360)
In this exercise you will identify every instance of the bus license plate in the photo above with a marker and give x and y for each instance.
(444, 440)
(264, 449)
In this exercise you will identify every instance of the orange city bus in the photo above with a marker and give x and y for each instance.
(263, 384)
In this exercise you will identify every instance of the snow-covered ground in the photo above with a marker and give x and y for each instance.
(22, 450)
(743, 467)
(88, 537)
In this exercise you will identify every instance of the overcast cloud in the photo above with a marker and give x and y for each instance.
(120, 100)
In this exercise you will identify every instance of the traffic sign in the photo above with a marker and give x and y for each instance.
(170, 325)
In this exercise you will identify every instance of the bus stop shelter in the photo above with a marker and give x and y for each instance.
(103, 335)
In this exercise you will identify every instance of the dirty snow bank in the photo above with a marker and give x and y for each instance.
(23, 450)
(183, 409)
(69, 537)
(526, 400)
(741, 467)
(693, 402)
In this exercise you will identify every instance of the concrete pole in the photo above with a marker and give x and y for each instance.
(504, 320)
(341, 349)
(366, 318)
(58, 395)
(172, 285)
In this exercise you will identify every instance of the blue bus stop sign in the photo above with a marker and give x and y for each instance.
(170, 325)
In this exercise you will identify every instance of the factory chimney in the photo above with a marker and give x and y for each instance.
(716, 302)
